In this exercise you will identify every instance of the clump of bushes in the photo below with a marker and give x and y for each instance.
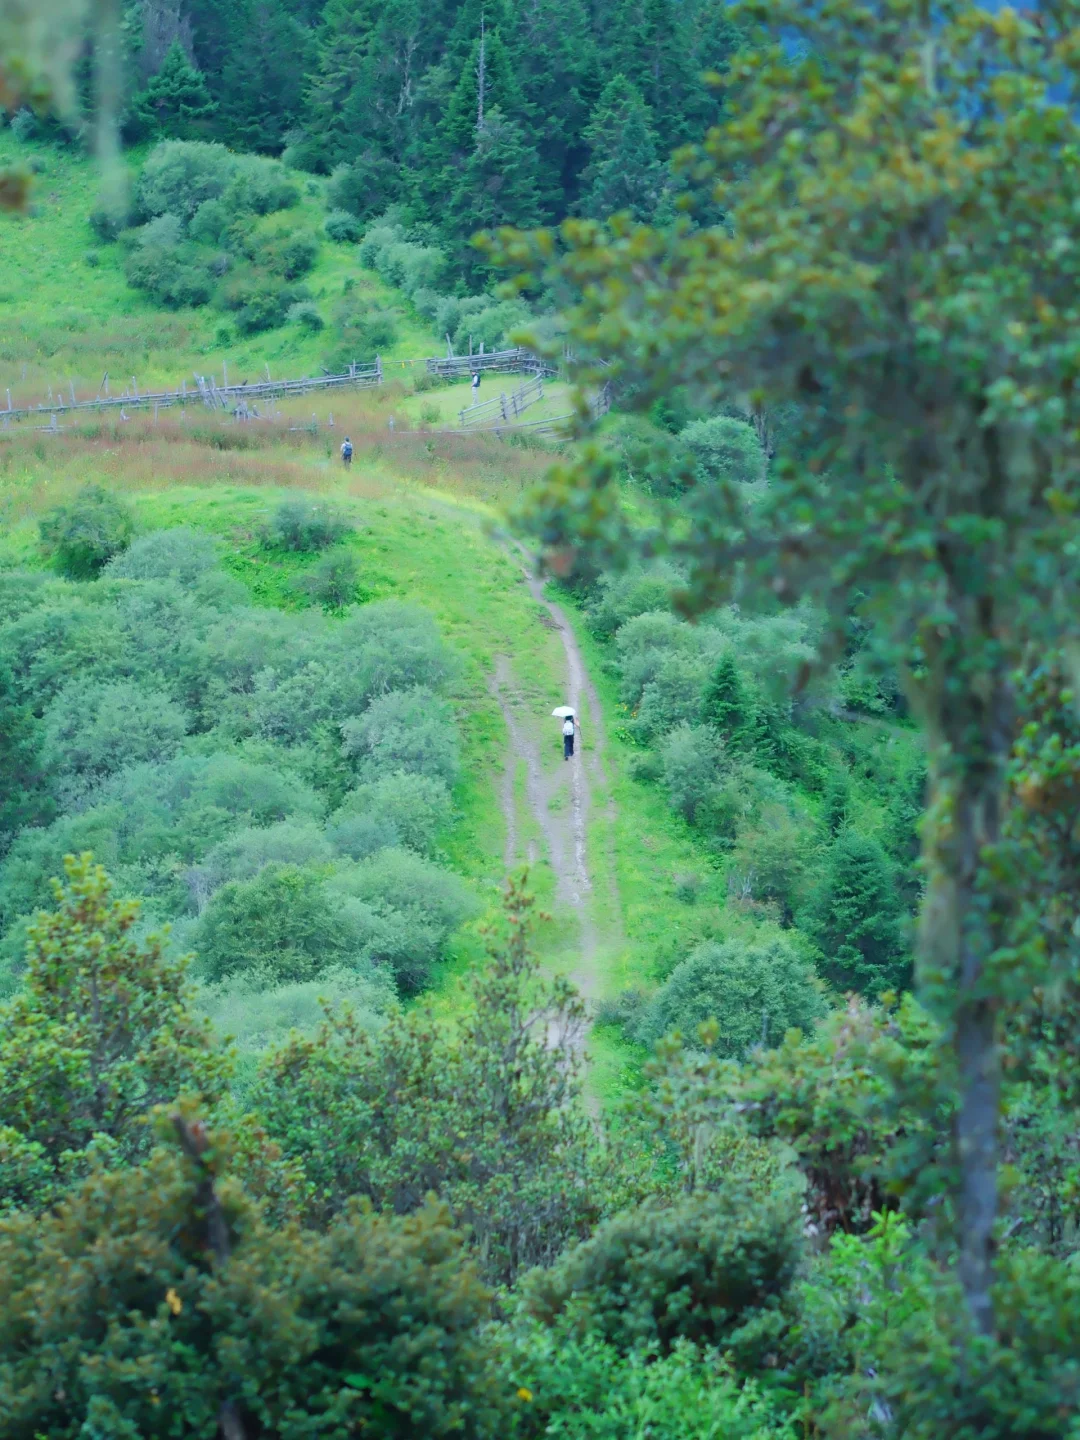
(421, 271)
(343, 228)
(335, 580)
(696, 1270)
(206, 230)
(303, 523)
(755, 993)
(82, 537)
(197, 745)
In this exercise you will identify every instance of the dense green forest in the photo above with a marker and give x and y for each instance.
(749, 1106)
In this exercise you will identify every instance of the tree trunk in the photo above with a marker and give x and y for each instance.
(964, 924)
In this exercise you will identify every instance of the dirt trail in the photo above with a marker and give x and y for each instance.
(564, 826)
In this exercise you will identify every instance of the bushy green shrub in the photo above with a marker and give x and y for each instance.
(289, 253)
(209, 223)
(304, 523)
(36, 858)
(396, 646)
(671, 698)
(580, 1387)
(413, 909)
(178, 176)
(255, 1018)
(335, 581)
(696, 1270)
(725, 449)
(82, 537)
(259, 302)
(770, 860)
(343, 227)
(181, 554)
(367, 186)
(186, 806)
(754, 992)
(409, 807)
(95, 728)
(411, 730)
(623, 597)
(260, 185)
(160, 1293)
(246, 852)
(305, 313)
(491, 326)
(361, 331)
(101, 1030)
(281, 926)
(454, 310)
(853, 913)
(173, 276)
(694, 762)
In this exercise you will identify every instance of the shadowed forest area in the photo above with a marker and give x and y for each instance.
(374, 1061)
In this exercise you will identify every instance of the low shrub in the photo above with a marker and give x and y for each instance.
(178, 176)
(342, 227)
(725, 449)
(255, 1019)
(754, 992)
(94, 728)
(335, 580)
(303, 523)
(697, 1270)
(412, 908)
(181, 554)
(580, 1387)
(410, 730)
(82, 537)
(305, 313)
(279, 927)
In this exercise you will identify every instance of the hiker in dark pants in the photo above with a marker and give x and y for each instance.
(346, 452)
(568, 731)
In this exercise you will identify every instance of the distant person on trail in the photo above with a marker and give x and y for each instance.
(475, 384)
(346, 451)
(569, 729)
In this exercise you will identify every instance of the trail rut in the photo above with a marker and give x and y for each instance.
(559, 799)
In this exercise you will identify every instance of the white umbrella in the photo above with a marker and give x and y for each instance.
(562, 712)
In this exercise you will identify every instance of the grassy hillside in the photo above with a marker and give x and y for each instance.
(428, 512)
(67, 313)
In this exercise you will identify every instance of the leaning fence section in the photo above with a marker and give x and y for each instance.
(242, 400)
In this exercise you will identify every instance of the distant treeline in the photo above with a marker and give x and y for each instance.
(468, 112)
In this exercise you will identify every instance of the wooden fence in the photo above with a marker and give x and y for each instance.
(503, 406)
(242, 399)
(513, 362)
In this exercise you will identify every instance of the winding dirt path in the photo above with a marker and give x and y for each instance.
(559, 799)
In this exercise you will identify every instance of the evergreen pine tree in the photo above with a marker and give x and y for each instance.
(854, 917)
(467, 110)
(262, 80)
(24, 790)
(557, 65)
(176, 102)
(726, 705)
(624, 172)
(650, 45)
(498, 186)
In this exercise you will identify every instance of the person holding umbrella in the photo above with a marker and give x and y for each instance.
(569, 729)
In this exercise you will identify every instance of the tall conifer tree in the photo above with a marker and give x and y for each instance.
(624, 171)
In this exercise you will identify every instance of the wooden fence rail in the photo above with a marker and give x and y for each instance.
(502, 405)
(514, 362)
(206, 391)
